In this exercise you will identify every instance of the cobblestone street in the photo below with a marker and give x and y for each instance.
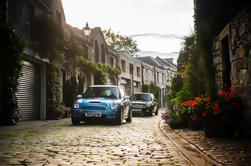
(137, 143)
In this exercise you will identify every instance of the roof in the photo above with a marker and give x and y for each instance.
(164, 62)
(151, 61)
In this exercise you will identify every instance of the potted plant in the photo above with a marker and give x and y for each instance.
(222, 115)
(194, 111)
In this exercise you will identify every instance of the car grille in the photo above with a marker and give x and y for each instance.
(138, 106)
(94, 108)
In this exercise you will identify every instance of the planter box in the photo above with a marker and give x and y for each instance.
(194, 124)
(216, 127)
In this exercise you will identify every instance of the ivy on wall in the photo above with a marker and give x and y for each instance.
(53, 92)
(49, 39)
(101, 71)
(13, 47)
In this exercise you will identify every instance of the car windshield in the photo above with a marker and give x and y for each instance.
(106, 92)
(142, 97)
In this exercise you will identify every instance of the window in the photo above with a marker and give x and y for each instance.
(131, 68)
(146, 74)
(157, 77)
(138, 71)
(111, 61)
(103, 53)
(123, 66)
(96, 52)
(163, 79)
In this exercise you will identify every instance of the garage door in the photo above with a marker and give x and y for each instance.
(28, 94)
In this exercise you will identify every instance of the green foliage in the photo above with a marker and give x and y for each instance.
(11, 64)
(121, 43)
(49, 39)
(176, 86)
(53, 92)
(154, 89)
(73, 54)
(100, 70)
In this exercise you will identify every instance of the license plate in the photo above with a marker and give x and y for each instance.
(93, 114)
(136, 110)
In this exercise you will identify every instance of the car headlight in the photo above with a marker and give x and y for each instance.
(148, 104)
(76, 105)
(113, 105)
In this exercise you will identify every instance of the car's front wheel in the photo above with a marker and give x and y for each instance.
(75, 121)
(157, 112)
(119, 118)
(129, 119)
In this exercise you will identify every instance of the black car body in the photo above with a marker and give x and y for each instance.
(144, 103)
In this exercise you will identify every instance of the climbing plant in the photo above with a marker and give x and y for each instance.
(49, 39)
(13, 46)
(53, 92)
(101, 71)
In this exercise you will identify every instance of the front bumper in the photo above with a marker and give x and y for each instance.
(141, 110)
(83, 115)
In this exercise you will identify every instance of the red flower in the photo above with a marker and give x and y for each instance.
(204, 114)
(228, 98)
(206, 108)
(194, 118)
(233, 92)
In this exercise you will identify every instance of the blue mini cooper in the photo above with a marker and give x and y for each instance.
(102, 102)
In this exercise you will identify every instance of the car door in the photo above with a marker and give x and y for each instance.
(124, 103)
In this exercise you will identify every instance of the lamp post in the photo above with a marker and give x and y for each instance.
(87, 30)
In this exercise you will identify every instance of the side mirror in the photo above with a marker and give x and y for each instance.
(79, 96)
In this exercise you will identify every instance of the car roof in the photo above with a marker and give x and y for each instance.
(109, 86)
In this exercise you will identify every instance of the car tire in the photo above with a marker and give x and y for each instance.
(129, 119)
(151, 113)
(119, 118)
(75, 121)
(157, 112)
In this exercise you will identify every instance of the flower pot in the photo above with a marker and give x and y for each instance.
(216, 127)
(194, 124)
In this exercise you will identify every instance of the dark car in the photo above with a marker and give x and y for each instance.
(102, 102)
(144, 103)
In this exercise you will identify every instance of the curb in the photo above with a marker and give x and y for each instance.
(188, 150)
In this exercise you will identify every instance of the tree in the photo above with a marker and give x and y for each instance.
(121, 43)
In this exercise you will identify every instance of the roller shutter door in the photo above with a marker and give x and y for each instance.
(28, 94)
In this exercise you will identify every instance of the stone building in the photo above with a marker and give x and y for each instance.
(169, 67)
(232, 58)
(32, 89)
(131, 76)
(152, 71)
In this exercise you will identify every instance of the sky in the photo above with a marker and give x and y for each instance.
(158, 26)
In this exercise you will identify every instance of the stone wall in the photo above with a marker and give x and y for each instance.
(239, 42)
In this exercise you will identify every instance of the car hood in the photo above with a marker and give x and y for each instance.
(99, 102)
(139, 102)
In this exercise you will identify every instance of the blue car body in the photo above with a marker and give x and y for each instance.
(97, 107)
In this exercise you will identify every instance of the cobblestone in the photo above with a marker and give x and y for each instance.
(137, 143)
(233, 151)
